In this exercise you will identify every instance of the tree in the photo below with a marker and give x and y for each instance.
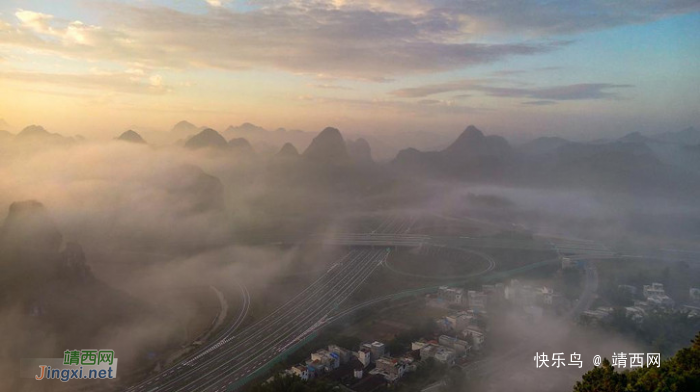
(291, 383)
(678, 373)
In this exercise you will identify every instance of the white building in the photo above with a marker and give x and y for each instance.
(377, 349)
(476, 300)
(441, 354)
(300, 371)
(461, 347)
(460, 320)
(451, 295)
(475, 336)
(364, 356)
(653, 289)
(343, 355)
(567, 263)
(695, 295)
(656, 295)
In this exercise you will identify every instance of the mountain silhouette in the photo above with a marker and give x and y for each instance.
(29, 227)
(37, 134)
(288, 150)
(689, 136)
(542, 145)
(241, 146)
(131, 137)
(184, 129)
(360, 151)
(245, 129)
(471, 156)
(328, 147)
(208, 138)
(635, 137)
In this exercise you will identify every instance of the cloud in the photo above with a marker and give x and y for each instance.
(423, 108)
(580, 91)
(35, 20)
(125, 82)
(327, 86)
(540, 103)
(549, 17)
(431, 89)
(353, 43)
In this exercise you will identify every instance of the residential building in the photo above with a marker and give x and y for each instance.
(300, 371)
(343, 355)
(627, 289)
(695, 295)
(475, 336)
(476, 300)
(461, 347)
(364, 356)
(377, 349)
(451, 295)
(653, 289)
(656, 295)
(567, 263)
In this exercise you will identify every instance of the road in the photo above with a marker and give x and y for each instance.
(232, 359)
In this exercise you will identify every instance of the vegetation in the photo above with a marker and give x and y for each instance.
(292, 383)
(678, 373)
(663, 331)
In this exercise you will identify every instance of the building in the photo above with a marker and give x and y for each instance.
(364, 356)
(441, 354)
(475, 336)
(476, 300)
(445, 355)
(417, 345)
(656, 295)
(299, 371)
(694, 295)
(567, 263)
(461, 347)
(525, 295)
(653, 289)
(545, 294)
(598, 315)
(315, 369)
(377, 349)
(625, 288)
(343, 355)
(635, 313)
(329, 360)
(458, 321)
(450, 295)
(358, 372)
(661, 300)
(494, 291)
(391, 368)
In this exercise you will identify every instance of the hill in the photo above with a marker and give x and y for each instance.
(328, 147)
(183, 130)
(131, 137)
(208, 138)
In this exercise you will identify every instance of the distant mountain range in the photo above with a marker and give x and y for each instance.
(633, 162)
(472, 156)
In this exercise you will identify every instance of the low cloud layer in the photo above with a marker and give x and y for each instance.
(582, 91)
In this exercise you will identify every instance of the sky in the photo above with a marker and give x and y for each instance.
(579, 69)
